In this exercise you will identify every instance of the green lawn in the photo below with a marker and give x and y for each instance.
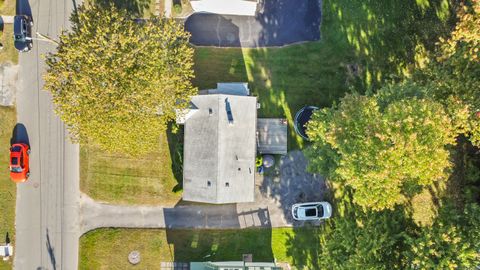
(363, 43)
(8, 189)
(149, 179)
(9, 53)
(109, 248)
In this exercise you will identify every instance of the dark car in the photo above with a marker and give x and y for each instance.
(22, 32)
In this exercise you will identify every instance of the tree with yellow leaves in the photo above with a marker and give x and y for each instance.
(117, 81)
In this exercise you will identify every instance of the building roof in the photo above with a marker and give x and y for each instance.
(230, 7)
(219, 153)
(234, 265)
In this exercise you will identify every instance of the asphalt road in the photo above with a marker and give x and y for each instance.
(276, 23)
(47, 204)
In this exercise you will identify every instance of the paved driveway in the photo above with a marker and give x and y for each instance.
(277, 23)
(274, 195)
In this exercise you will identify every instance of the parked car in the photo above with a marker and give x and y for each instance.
(19, 162)
(22, 33)
(312, 211)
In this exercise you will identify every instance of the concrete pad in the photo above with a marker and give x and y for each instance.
(8, 84)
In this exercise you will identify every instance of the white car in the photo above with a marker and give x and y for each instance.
(311, 211)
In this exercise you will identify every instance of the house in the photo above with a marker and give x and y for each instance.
(227, 7)
(234, 265)
(221, 137)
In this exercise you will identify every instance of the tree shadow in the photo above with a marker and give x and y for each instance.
(303, 246)
(389, 37)
(464, 183)
(134, 7)
(20, 135)
(175, 135)
(363, 44)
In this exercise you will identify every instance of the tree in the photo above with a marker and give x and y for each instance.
(455, 73)
(452, 242)
(117, 81)
(385, 146)
(365, 240)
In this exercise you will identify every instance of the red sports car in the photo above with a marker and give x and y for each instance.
(19, 168)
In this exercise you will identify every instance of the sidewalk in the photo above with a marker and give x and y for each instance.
(7, 19)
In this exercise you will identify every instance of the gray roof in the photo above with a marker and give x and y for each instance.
(236, 88)
(219, 157)
(234, 265)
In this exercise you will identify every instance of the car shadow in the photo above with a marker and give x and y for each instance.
(22, 7)
(20, 135)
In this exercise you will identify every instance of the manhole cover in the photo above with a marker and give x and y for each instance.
(35, 185)
(134, 257)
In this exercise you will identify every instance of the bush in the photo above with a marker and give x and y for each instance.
(177, 8)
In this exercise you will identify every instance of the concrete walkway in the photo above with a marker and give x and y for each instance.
(229, 216)
(275, 193)
(168, 8)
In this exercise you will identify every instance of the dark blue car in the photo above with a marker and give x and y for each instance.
(22, 33)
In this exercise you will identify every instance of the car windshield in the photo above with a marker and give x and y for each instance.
(311, 212)
(320, 210)
(16, 169)
(17, 25)
(16, 149)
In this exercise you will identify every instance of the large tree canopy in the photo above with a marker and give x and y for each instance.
(384, 146)
(117, 81)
